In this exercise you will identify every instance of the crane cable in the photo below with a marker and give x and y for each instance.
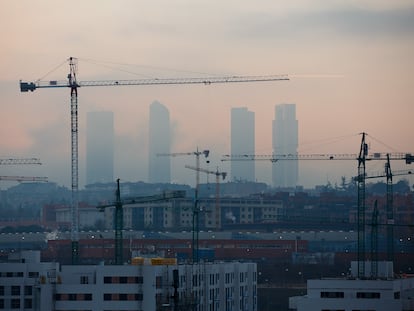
(52, 70)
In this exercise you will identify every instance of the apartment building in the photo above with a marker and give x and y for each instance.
(147, 284)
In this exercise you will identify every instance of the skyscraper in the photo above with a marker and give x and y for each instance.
(159, 169)
(242, 142)
(99, 147)
(285, 141)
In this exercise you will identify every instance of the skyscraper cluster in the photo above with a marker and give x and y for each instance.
(284, 141)
(100, 145)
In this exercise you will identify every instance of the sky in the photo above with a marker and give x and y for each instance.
(349, 61)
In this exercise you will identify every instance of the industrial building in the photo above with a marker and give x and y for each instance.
(146, 284)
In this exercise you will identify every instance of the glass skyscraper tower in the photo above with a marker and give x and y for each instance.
(159, 169)
(285, 141)
(99, 147)
(242, 142)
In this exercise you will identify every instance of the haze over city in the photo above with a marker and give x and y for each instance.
(349, 63)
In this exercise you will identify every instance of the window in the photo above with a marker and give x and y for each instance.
(87, 297)
(1, 290)
(107, 296)
(28, 290)
(84, 279)
(15, 290)
(33, 274)
(158, 281)
(15, 303)
(368, 295)
(1, 303)
(332, 294)
(123, 297)
(397, 295)
(28, 303)
(123, 279)
(107, 280)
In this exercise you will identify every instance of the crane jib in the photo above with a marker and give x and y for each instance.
(31, 86)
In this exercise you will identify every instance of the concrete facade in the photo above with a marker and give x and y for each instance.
(149, 284)
(384, 293)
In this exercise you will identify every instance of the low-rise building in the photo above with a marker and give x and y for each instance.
(382, 293)
(146, 284)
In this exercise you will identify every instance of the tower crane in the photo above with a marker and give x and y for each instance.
(390, 198)
(196, 229)
(218, 175)
(374, 241)
(21, 161)
(362, 158)
(119, 217)
(73, 84)
(23, 178)
(17, 161)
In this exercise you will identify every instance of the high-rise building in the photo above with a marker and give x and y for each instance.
(285, 141)
(99, 147)
(159, 169)
(242, 142)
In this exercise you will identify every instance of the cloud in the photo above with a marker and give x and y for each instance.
(354, 22)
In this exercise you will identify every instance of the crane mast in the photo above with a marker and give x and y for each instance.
(363, 152)
(390, 211)
(119, 214)
(390, 202)
(218, 175)
(74, 84)
(74, 158)
(196, 209)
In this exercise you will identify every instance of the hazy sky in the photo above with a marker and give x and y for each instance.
(350, 62)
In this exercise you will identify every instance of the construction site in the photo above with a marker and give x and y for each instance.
(208, 252)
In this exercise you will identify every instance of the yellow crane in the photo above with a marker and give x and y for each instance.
(73, 84)
(218, 175)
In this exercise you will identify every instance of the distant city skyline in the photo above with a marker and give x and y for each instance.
(285, 141)
(100, 147)
(159, 142)
(349, 63)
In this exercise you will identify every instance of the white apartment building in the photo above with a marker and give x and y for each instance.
(150, 284)
(384, 293)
